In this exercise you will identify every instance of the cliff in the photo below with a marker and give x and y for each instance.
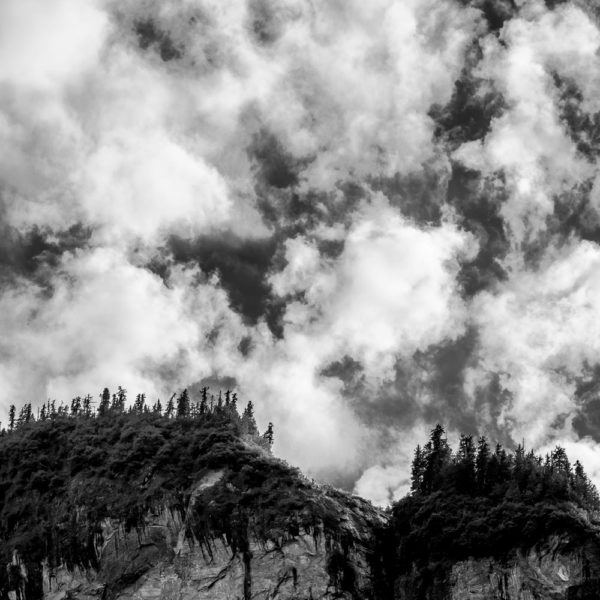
(144, 507)
(163, 559)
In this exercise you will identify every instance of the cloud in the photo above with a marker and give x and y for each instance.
(539, 332)
(107, 321)
(528, 142)
(368, 216)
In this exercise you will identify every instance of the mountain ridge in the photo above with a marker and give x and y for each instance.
(134, 504)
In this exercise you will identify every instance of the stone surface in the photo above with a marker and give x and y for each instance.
(162, 563)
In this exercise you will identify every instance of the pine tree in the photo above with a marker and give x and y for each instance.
(466, 472)
(481, 463)
(75, 406)
(248, 423)
(204, 401)
(437, 456)
(170, 407)
(157, 408)
(268, 435)
(11, 417)
(183, 405)
(417, 471)
(104, 405)
(87, 405)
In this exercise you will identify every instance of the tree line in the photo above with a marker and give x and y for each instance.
(180, 406)
(476, 469)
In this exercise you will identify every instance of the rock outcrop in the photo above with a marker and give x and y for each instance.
(558, 568)
(163, 561)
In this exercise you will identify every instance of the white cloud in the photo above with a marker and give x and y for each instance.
(392, 291)
(539, 331)
(528, 142)
(46, 44)
(108, 322)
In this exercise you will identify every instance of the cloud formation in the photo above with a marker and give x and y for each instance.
(369, 217)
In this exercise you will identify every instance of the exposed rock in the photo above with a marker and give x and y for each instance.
(162, 561)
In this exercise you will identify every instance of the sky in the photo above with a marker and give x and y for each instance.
(365, 217)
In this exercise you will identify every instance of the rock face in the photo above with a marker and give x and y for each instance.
(551, 571)
(556, 569)
(162, 562)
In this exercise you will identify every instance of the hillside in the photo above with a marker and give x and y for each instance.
(190, 503)
(73, 479)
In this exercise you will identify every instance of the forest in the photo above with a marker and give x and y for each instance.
(180, 407)
(66, 468)
(479, 501)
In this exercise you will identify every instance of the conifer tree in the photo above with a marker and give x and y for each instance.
(481, 463)
(268, 435)
(75, 406)
(170, 407)
(157, 408)
(465, 459)
(183, 405)
(417, 471)
(248, 423)
(204, 401)
(437, 456)
(104, 405)
(11, 417)
(87, 405)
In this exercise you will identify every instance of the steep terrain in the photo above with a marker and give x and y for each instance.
(142, 506)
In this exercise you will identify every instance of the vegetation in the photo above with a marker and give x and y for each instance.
(479, 502)
(66, 469)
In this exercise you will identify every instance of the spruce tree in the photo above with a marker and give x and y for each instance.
(268, 435)
(170, 407)
(104, 405)
(417, 471)
(183, 405)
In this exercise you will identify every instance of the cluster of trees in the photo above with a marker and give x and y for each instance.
(477, 470)
(178, 407)
(66, 469)
(480, 501)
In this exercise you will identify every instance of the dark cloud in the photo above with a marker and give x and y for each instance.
(477, 201)
(495, 12)
(274, 166)
(263, 22)
(242, 265)
(474, 103)
(582, 127)
(428, 386)
(151, 36)
(420, 195)
(36, 251)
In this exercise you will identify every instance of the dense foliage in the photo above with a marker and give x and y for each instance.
(475, 502)
(67, 469)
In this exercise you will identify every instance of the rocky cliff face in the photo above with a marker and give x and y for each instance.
(556, 569)
(162, 561)
(551, 571)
